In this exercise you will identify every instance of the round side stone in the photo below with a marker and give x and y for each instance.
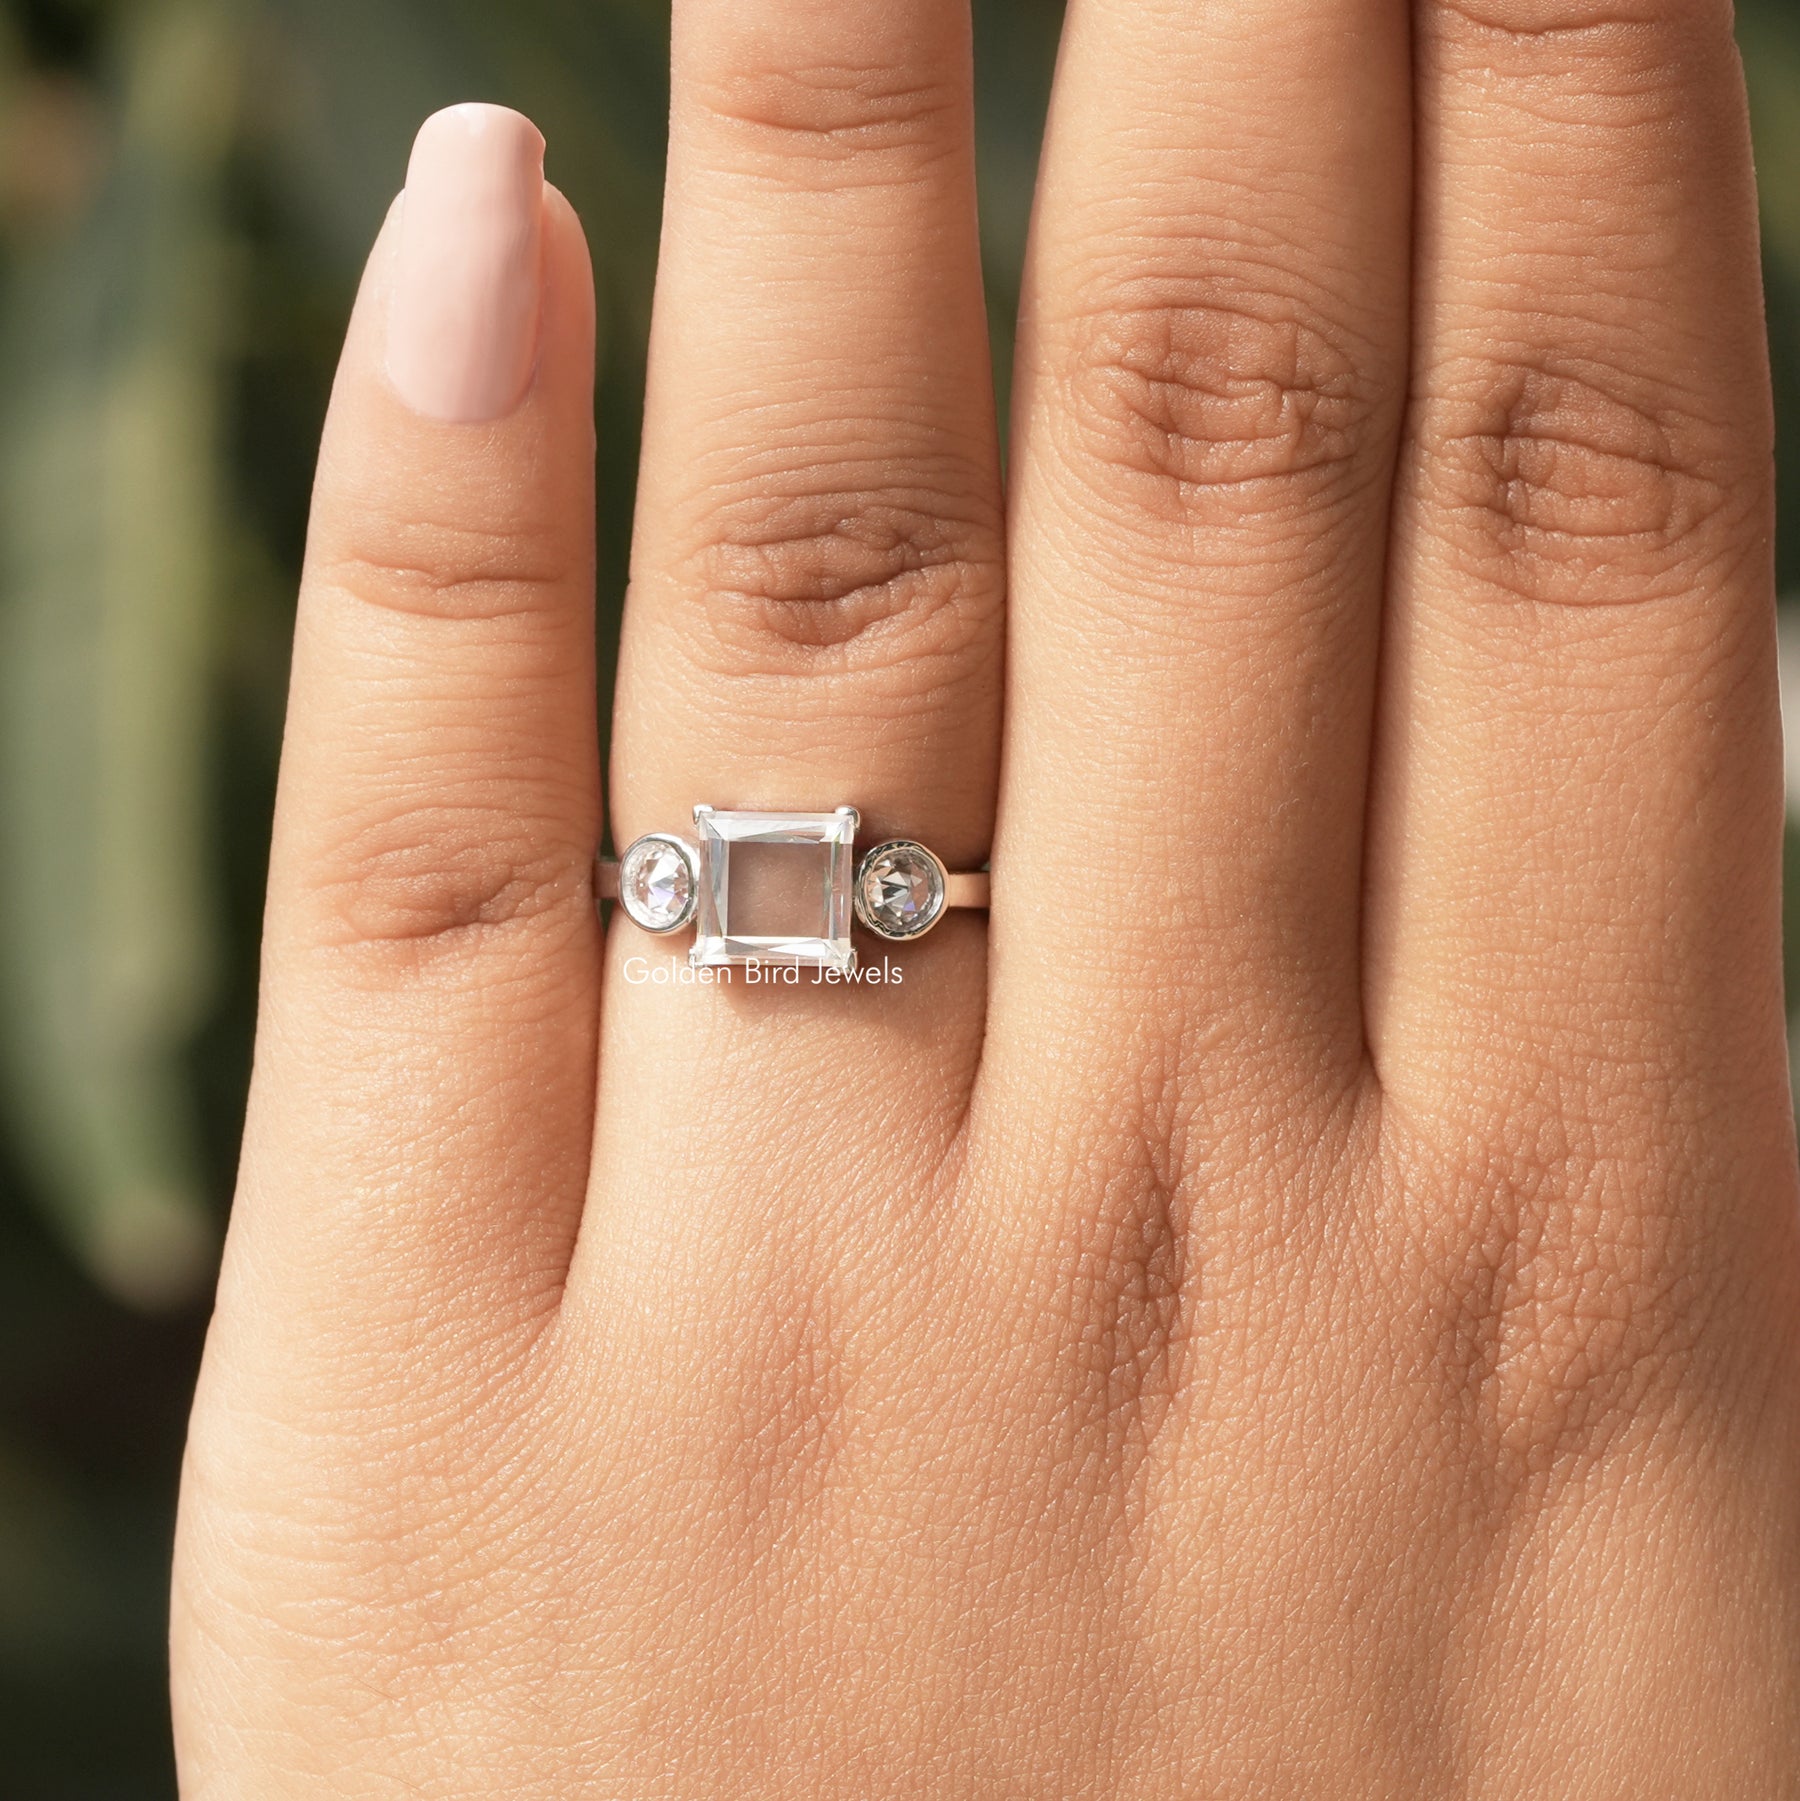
(900, 889)
(659, 882)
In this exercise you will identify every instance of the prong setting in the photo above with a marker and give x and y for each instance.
(775, 888)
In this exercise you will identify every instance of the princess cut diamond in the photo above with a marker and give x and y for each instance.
(774, 888)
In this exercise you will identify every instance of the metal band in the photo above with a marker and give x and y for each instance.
(969, 888)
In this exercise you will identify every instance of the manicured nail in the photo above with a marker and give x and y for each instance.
(463, 317)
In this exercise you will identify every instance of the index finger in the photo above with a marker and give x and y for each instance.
(417, 1141)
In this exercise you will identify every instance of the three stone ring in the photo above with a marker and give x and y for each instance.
(781, 887)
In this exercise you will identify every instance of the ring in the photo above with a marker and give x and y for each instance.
(779, 887)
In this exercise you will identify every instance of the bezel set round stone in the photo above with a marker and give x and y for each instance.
(659, 882)
(901, 890)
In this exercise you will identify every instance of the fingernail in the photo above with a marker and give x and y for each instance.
(463, 317)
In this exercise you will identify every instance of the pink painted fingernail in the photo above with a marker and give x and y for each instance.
(463, 317)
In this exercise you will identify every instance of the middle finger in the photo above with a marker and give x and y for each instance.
(1211, 377)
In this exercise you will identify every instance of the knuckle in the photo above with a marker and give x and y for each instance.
(432, 569)
(781, 1423)
(898, 573)
(447, 876)
(1126, 1282)
(840, 112)
(1575, 485)
(1534, 24)
(1189, 400)
(1567, 1312)
(1125, 1276)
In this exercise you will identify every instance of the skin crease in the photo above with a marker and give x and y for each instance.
(1299, 1302)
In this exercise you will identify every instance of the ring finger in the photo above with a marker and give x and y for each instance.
(815, 612)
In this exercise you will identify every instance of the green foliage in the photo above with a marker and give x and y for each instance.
(111, 511)
(1769, 31)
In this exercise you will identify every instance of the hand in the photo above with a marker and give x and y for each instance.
(1302, 1301)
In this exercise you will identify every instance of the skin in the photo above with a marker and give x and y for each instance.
(1308, 1310)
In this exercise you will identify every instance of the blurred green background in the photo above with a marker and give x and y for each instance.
(187, 188)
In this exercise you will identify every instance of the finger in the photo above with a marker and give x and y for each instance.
(815, 611)
(1210, 365)
(419, 1128)
(1579, 808)
(816, 568)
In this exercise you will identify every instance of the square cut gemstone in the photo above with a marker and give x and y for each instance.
(775, 888)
